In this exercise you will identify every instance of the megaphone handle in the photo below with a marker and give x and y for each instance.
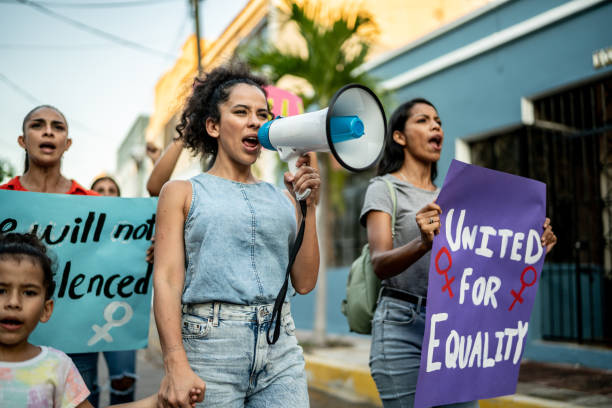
(303, 196)
(291, 158)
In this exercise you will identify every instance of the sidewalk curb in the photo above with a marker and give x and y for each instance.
(349, 382)
(352, 382)
(523, 401)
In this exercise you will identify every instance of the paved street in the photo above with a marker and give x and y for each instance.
(323, 400)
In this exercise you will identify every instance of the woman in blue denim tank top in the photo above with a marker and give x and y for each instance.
(222, 248)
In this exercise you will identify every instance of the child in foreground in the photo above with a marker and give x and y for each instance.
(37, 376)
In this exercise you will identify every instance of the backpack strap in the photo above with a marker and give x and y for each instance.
(394, 199)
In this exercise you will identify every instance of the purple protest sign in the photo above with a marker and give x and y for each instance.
(483, 278)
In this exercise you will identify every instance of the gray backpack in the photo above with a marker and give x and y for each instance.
(363, 285)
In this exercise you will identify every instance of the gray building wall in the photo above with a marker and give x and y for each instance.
(133, 166)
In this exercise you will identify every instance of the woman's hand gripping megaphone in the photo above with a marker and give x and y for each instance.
(303, 179)
(352, 128)
(292, 142)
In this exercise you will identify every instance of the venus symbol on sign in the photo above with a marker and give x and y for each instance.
(104, 331)
(447, 286)
(518, 296)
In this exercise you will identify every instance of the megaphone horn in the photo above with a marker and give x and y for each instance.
(352, 128)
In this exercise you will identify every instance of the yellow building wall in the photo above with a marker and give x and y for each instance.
(175, 85)
(402, 21)
(399, 23)
(171, 90)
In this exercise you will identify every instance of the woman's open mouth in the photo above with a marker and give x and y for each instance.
(251, 143)
(435, 142)
(47, 147)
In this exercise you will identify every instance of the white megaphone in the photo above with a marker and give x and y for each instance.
(352, 128)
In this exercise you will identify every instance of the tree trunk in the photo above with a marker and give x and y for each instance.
(320, 312)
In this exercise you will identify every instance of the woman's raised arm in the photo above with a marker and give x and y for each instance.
(164, 166)
(388, 261)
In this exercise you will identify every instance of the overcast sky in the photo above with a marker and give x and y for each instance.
(99, 84)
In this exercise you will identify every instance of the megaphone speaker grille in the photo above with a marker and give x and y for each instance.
(360, 153)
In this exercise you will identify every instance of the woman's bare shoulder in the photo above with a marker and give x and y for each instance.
(176, 187)
(176, 192)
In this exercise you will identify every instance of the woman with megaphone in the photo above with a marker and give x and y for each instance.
(223, 245)
(413, 144)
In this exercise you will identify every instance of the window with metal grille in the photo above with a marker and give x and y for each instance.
(568, 147)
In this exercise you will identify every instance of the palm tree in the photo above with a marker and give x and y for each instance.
(7, 170)
(333, 53)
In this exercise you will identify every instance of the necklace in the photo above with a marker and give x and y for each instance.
(405, 179)
(402, 177)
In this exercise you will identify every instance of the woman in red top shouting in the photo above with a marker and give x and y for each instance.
(45, 139)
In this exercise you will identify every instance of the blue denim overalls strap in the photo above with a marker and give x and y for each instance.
(237, 241)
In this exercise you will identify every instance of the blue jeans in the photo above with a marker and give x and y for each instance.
(120, 364)
(395, 354)
(226, 346)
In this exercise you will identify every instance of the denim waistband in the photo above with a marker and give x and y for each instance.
(230, 311)
(405, 297)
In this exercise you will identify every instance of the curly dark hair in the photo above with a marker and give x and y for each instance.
(208, 93)
(393, 155)
(19, 246)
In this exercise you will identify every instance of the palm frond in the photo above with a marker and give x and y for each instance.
(332, 51)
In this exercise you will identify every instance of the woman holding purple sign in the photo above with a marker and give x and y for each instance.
(401, 260)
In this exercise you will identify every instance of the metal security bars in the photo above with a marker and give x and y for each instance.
(569, 147)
